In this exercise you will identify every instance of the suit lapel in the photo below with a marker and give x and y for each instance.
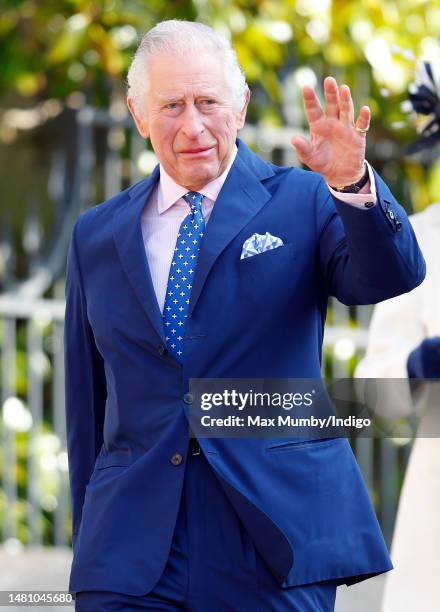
(239, 200)
(127, 235)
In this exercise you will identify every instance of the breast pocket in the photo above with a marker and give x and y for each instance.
(268, 275)
(271, 255)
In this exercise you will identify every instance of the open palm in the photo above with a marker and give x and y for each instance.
(336, 148)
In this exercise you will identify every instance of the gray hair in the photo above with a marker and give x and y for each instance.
(178, 36)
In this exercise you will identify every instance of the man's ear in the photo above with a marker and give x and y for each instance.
(241, 116)
(141, 124)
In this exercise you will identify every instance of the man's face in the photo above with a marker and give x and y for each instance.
(189, 117)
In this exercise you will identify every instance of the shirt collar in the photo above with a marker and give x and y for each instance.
(169, 191)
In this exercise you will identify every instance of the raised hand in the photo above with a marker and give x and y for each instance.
(336, 148)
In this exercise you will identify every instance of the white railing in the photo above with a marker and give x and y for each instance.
(32, 425)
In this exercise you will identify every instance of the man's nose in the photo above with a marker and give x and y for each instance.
(192, 121)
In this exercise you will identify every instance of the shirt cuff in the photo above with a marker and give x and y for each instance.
(360, 200)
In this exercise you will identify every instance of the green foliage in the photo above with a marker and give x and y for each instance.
(52, 49)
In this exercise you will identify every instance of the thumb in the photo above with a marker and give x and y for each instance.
(302, 146)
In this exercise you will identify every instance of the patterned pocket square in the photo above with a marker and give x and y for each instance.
(259, 243)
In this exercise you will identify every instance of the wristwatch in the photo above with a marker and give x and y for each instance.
(355, 187)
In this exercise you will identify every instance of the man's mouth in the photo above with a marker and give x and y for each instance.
(196, 151)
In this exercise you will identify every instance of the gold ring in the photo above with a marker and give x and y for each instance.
(361, 130)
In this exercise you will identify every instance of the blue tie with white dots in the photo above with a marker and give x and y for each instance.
(181, 275)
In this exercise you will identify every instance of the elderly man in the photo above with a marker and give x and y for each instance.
(219, 265)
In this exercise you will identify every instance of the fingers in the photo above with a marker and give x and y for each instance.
(364, 117)
(331, 95)
(346, 113)
(341, 106)
(338, 102)
(303, 148)
(312, 106)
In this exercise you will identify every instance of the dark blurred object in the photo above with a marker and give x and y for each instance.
(424, 96)
(424, 360)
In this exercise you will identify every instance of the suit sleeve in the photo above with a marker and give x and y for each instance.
(85, 388)
(366, 256)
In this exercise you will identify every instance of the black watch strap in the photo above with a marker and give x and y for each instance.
(355, 187)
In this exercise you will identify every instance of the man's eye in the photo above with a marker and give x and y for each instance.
(207, 102)
(171, 105)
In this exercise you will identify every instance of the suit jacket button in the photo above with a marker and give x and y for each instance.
(161, 349)
(188, 398)
(176, 459)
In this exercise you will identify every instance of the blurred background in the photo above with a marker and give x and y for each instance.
(67, 143)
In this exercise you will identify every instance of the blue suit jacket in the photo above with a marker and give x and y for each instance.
(305, 505)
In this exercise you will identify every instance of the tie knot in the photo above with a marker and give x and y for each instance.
(194, 199)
